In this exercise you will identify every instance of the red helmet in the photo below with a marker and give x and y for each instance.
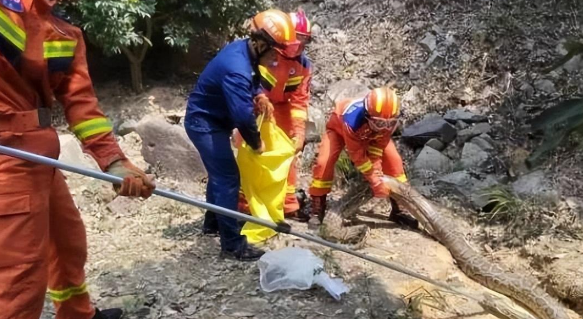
(276, 28)
(301, 23)
(383, 109)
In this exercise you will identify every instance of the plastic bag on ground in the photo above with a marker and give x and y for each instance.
(296, 268)
(264, 179)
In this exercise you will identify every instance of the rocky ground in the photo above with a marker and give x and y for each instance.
(470, 74)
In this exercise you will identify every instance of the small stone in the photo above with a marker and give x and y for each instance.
(474, 157)
(483, 144)
(437, 29)
(414, 72)
(436, 59)
(316, 30)
(546, 86)
(449, 40)
(527, 89)
(574, 64)
(529, 45)
(464, 136)
(462, 114)
(429, 42)
(127, 127)
(396, 5)
(412, 94)
(436, 144)
(461, 125)
(72, 153)
(469, 133)
(452, 152)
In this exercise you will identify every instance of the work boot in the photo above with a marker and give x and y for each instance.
(210, 226)
(247, 253)
(317, 211)
(303, 213)
(114, 313)
(400, 217)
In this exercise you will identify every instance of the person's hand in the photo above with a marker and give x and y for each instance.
(261, 148)
(262, 105)
(381, 190)
(135, 182)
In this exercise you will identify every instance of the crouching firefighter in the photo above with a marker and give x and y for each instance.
(42, 236)
(363, 127)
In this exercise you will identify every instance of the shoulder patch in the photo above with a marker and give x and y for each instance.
(354, 115)
(14, 5)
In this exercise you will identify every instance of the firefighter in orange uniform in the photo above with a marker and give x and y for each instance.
(42, 236)
(364, 127)
(286, 85)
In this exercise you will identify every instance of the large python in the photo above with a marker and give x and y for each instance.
(521, 289)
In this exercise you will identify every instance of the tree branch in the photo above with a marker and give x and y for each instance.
(148, 36)
(129, 54)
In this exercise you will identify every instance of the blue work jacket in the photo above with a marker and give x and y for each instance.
(222, 99)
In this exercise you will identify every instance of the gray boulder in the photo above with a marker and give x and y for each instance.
(435, 144)
(433, 161)
(126, 127)
(470, 132)
(483, 143)
(344, 89)
(474, 157)
(168, 147)
(546, 86)
(421, 132)
(468, 188)
(536, 185)
(461, 114)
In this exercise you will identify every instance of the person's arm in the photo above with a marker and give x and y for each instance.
(86, 120)
(238, 91)
(358, 153)
(300, 99)
(75, 91)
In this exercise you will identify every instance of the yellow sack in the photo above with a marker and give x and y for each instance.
(264, 179)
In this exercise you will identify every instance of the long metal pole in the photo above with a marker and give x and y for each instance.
(284, 228)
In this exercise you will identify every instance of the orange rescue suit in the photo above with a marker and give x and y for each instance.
(373, 153)
(287, 85)
(42, 236)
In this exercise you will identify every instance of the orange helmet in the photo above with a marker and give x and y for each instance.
(301, 23)
(276, 28)
(383, 109)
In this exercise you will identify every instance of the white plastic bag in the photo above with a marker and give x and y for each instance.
(296, 268)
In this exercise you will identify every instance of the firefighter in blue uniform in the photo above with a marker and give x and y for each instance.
(224, 98)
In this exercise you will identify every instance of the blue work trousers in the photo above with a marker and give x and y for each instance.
(223, 184)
